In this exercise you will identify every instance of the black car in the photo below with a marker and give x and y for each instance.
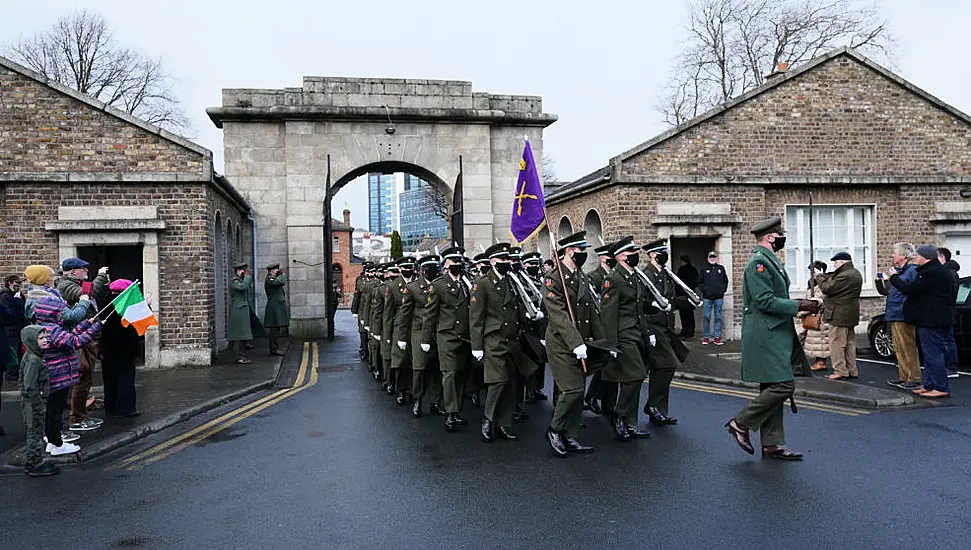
(879, 333)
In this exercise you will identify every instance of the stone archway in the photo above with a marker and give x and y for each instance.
(565, 229)
(284, 147)
(593, 227)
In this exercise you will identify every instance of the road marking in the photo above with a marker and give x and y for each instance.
(748, 394)
(877, 361)
(181, 442)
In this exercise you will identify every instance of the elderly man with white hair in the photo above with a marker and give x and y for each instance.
(902, 333)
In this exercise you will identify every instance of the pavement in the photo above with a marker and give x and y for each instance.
(339, 465)
(165, 397)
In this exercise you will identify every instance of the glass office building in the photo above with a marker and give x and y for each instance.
(420, 216)
(381, 202)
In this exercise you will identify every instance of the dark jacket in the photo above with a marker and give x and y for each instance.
(841, 307)
(689, 276)
(12, 321)
(895, 298)
(713, 282)
(932, 296)
(953, 268)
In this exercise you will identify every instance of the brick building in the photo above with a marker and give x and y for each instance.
(346, 266)
(883, 160)
(79, 178)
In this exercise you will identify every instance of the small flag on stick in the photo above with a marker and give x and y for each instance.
(133, 309)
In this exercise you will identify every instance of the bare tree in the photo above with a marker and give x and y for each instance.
(437, 200)
(79, 51)
(549, 169)
(733, 44)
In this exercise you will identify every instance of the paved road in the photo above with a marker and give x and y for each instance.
(338, 465)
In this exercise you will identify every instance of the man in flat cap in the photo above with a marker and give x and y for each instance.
(666, 351)
(446, 327)
(276, 316)
(356, 302)
(600, 395)
(623, 310)
(396, 334)
(771, 351)
(841, 290)
(239, 329)
(573, 322)
(495, 313)
(426, 379)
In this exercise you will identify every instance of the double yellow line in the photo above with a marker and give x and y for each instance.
(180, 442)
(749, 394)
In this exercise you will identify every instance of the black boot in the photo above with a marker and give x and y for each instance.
(506, 433)
(401, 399)
(574, 446)
(593, 405)
(436, 410)
(658, 418)
(486, 430)
(42, 469)
(519, 415)
(636, 433)
(459, 420)
(450, 423)
(416, 408)
(556, 442)
(620, 429)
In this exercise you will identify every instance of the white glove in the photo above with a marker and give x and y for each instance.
(613, 354)
(543, 342)
(103, 271)
(653, 340)
(667, 309)
(478, 354)
(354, 314)
(402, 345)
(539, 316)
(377, 337)
(580, 351)
(367, 328)
(84, 298)
(426, 347)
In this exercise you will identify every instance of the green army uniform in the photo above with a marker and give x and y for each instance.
(495, 311)
(662, 360)
(563, 335)
(537, 380)
(446, 325)
(380, 352)
(393, 333)
(239, 329)
(598, 389)
(426, 378)
(364, 319)
(276, 316)
(356, 302)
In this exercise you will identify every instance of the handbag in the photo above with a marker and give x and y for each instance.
(813, 321)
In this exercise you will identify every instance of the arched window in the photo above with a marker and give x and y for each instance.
(543, 242)
(566, 228)
(593, 227)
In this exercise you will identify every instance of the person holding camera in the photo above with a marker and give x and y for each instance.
(841, 309)
(276, 316)
(239, 330)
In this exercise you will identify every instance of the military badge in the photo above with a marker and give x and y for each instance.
(606, 285)
(760, 268)
(549, 282)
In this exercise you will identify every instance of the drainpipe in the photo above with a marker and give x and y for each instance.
(256, 292)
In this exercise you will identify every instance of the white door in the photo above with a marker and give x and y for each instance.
(960, 246)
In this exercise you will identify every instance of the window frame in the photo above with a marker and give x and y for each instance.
(871, 249)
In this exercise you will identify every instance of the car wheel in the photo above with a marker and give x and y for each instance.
(882, 342)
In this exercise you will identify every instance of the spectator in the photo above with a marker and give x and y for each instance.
(902, 333)
(70, 288)
(944, 256)
(276, 316)
(928, 306)
(120, 347)
(713, 283)
(35, 387)
(240, 329)
(689, 276)
(816, 342)
(841, 309)
(12, 321)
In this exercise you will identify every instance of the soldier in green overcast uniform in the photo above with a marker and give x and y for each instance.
(771, 352)
(379, 295)
(446, 326)
(398, 336)
(601, 395)
(495, 312)
(624, 309)
(566, 340)
(426, 380)
(360, 283)
(663, 357)
(276, 316)
(533, 268)
(239, 328)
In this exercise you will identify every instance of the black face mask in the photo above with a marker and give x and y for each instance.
(633, 259)
(485, 269)
(778, 244)
(503, 267)
(611, 262)
(456, 269)
(579, 258)
(533, 270)
(517, 267)
(661, 258)
(406, 273)
(432, 272)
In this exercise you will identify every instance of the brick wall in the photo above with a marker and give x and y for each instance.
(350, 270)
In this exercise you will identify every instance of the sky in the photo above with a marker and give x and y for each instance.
(599, 66)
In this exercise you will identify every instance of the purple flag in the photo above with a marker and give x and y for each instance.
(529, 205)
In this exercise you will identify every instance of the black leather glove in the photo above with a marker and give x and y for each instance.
(811, 306)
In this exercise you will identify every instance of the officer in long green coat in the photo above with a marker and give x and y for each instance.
(771, 351)
(239, 330)
(379, 295)
(398, 336)
(426, 378)
(446, 327)
(566, 340)
(662, 359)
(495, 313)
(356, 303)
(601, 395)
(624, 309)
(276, 316)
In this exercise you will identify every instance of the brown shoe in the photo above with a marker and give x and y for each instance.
(819, 365)
(835, 376)
(935, 393)
(779, 452)
(740, 433)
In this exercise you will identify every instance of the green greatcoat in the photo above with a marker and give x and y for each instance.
(378, 294)
(276, 314)
(364, 305)
(564, 335)
(394, 292)
(239, 327)
(623, 312)
(771, 351)
(597, 277)
(446, 324)
(408, 323)
(495, 312)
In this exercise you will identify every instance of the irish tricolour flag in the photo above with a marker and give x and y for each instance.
(131, 306)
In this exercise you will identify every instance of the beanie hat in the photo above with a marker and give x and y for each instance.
(38, 274)
(119, 285)
(928, 251)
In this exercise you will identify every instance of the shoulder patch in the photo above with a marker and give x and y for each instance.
(760, 267)
(549, 282)
(606, 284)
(475, 286)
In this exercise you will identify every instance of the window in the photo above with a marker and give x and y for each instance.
(835, 229)
(337, 244)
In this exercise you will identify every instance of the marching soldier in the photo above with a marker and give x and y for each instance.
(474, 381)
(624, 308)
(600, 395)
(426, 377)
(396, 335)
(663, 358)
(446, 326)
(482, 264)
(276, 316)
(770, 348)
(383, 349)
(566, 340)
(494, 328)
(526, 365)
(356, 304)
(532, 265)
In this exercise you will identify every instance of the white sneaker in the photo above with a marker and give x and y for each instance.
(64, 449)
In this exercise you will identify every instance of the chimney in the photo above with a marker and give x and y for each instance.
(347, 215)
(780, 69)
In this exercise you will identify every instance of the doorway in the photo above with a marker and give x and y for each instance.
(696, 249)
(124, 262)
